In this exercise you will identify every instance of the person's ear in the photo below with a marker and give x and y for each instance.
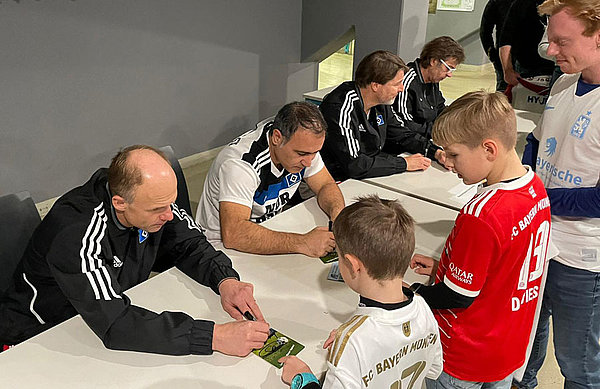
(119, 203)
(374, 86)
(490, 147)
(356, 266)
(276, 137)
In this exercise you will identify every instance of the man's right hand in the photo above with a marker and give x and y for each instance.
(417, 162)
(239, 338)
(511, 77)
(317, 242)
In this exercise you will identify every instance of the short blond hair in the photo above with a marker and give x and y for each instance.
(587, 11)
(474, 117)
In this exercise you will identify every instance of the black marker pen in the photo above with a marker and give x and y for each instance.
(251, 317)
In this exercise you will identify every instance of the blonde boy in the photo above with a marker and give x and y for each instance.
(488, 279)
(392, 341)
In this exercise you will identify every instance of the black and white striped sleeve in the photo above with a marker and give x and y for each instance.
(343, 143)
(406, 105)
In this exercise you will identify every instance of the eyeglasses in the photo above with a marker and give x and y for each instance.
(450, 68)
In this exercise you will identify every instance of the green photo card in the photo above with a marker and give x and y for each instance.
(277, 346)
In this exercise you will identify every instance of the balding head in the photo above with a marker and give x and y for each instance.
(143, 187)
(137, 165)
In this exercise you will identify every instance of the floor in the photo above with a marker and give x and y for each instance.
(338, 68)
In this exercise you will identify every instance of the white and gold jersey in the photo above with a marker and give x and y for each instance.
(389, 349)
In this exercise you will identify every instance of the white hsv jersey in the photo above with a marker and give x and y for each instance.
(243, 173)
(378, 348)
(569, 157)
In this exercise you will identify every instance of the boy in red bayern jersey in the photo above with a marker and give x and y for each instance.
(487, 282)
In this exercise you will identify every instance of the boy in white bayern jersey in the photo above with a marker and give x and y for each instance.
(392, 341)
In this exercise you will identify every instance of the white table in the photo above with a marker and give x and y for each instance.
(292, 291)
(317, 96)
(436, 185)
(440, 186)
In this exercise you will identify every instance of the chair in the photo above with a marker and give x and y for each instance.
(183, 198)
(18, 218)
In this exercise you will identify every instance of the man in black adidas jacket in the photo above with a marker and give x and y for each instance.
(421, 101)
(364, 134)
(103, 238)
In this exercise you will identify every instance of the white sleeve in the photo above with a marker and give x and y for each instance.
(437, 360)
(238, 182)
(436, 357)
(316, 166)
(345, 372)
(537, 131)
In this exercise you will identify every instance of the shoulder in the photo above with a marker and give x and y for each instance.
(344, 94)
(246, 153)
(67, 229)
(80, 206)
(482, 204)
(410, 77)
(565, 81)
(347, 333)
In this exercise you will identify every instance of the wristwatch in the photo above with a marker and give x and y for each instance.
(302, 379)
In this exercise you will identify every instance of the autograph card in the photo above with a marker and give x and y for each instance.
(334, 273)
(278, 345)
(330, 257)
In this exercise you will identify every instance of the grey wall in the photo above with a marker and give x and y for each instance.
(461, 26)
(327, 25)
(413, 29)
(79, 79)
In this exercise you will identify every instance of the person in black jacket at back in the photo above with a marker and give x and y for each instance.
(493, 16)
(364, 133)
(521, 34)
(103, 238)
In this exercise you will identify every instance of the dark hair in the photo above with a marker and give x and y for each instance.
(298, 114)
(123, 177)
(442, 47)
(378, 232)
(380, 67)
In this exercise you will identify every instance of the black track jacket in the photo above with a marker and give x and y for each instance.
(80, 259)
(357, 146)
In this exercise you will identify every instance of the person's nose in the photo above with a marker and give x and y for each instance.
(167, 215)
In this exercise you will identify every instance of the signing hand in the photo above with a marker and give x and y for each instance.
(238, 297)
(317, 242)
(424, 265)
(239, 338)
(417, 162)
(292, 365)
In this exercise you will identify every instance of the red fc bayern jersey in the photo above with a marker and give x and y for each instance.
(495, 253)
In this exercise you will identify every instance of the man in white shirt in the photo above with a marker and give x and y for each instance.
(254, 176)
(564, 149)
